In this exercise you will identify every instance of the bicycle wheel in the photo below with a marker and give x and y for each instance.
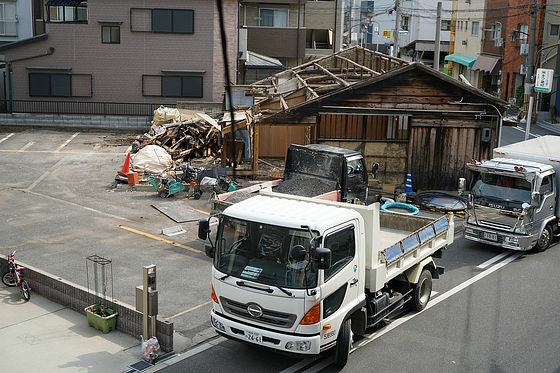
(8, 279)
(25, 290)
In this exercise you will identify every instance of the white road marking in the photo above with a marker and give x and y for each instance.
(6, 138)
(523, 130)
(26, 146)
(436, 300)
(189, 310)
(493, 260)
(66, 142)
(44, 175)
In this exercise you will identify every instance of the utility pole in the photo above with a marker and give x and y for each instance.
(397, 27)
(438, 32)
(531, 57)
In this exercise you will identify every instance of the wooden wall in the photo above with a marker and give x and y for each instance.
(274, 140)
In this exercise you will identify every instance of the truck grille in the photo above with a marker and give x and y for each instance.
(280, 319)
(492, 224)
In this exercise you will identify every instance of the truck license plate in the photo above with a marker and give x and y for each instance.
(490, 236)
(253, 337)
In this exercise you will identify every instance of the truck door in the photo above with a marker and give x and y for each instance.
(340, 287)
(356, 179)
(548, 199)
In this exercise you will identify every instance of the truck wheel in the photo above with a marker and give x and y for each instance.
(544, 240)
(422, 291)
(342, 349)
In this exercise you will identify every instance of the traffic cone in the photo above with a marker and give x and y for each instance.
(408, 184)
(122, 174)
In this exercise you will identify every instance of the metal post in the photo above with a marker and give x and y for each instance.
(397, 27)
(529, 114)
(438, 32)
(531, 56)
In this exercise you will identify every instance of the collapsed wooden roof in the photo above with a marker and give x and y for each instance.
(317, 78)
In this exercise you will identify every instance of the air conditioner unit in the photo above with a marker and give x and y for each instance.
(464, 42)
(499, 42)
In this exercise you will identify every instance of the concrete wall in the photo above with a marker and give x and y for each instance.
(77, 298)
(109, 122)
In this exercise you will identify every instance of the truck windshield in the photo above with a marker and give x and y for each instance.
(501, 187)
(261, 253)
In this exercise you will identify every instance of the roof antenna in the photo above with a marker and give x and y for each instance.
(228, 84)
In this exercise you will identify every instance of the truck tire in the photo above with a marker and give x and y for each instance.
(342, 348)
(422, 291)
(544, 240)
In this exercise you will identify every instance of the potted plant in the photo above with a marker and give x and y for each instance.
(101, 318)
(99, 315)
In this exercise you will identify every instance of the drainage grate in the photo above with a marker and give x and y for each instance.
(140, 366)
(163, 357)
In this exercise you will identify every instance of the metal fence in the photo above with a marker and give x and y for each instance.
(87, 108)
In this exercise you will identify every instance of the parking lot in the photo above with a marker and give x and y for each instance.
(59, 205)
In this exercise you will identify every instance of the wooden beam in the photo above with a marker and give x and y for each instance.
(358, 65)
(340, 80)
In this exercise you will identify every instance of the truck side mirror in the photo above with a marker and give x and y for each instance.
(203, 228)
(322, 257)
(535, 199)
(374, 169)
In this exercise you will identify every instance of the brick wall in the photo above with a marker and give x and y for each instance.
(76, 297)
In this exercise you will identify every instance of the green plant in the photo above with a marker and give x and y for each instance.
(519, 95)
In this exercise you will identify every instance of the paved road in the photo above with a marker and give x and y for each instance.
(57, 206)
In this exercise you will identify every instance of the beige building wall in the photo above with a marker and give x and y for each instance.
(117, 70)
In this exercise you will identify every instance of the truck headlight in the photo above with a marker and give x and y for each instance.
(298, 346)
(217, 324)
(511, 240)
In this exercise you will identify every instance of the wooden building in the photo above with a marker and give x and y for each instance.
(412, 118)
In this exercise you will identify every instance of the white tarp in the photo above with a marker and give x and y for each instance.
(152, 158)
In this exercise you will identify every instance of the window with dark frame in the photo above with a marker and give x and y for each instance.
(111, 34)
(75, 11)
(181, 86)
(180, 21)
(50, 84)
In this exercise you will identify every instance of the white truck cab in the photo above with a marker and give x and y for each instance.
(297, 275)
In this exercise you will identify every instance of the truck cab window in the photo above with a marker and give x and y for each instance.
(343, 248)
(546, 185)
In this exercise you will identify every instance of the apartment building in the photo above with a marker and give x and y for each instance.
(467, 44)
(154, 51)
(416, 41)
(291, 31)
(549, 104)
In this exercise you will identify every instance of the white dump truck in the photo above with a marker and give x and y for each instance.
(300, 275)
(513, 200)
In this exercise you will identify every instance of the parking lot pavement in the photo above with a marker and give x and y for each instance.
(42, 336)
(58, 206)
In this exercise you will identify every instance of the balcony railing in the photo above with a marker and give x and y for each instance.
(83, 108)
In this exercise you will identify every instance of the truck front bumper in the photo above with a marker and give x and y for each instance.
(306, 345)
(506, 240)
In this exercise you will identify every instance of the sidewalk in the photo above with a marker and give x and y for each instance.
(42, 336)
(549, 126)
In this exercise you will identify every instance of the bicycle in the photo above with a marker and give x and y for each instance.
(14, 277)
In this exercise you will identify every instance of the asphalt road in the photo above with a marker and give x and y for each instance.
(58, 206)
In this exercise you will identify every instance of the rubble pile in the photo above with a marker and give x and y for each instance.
(184, 135)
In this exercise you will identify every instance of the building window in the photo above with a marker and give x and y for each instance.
(181, 86)
(60, 13)
(554, 30)
(404, 23)
(111, 34)
(50, 85)
(179, 21)
(8, 19)
(445, 25)
(523, 32)
(474, 29)
(466, 26)
(273, 17)
(460, 25)
(496, 31)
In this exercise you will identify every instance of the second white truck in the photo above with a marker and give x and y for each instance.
(300, 275)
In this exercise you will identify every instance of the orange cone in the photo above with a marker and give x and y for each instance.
(125, 169)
